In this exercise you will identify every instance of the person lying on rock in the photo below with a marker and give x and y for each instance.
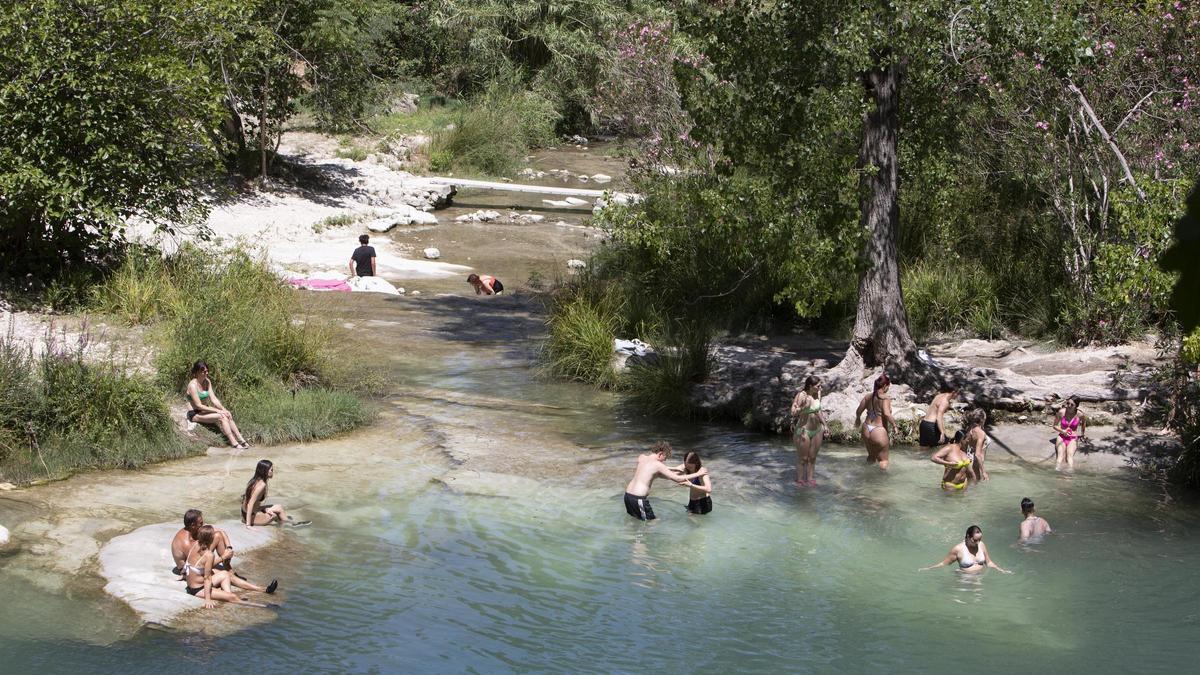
(485, 285)
(208, 409)
(193, 520)
(209, 583)
(254, 511)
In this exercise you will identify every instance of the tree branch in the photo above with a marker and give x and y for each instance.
(1104, 133)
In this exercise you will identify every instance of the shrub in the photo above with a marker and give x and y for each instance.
(946, 295)
(490, 136)
(140, 292)
(582, 326)
(662, 387)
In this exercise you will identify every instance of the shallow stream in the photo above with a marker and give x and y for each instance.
(478, 526)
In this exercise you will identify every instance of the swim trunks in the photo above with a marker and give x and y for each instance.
(700, 506)
(638, 507)
(929, 435)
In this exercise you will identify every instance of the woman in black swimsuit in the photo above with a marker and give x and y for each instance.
(254, 511)
(700, 501)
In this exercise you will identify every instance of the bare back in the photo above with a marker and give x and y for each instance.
(937, 407)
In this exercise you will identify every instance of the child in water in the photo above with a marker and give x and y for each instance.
(698, 482)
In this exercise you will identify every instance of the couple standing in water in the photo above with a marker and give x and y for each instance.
(809, 426)
(691, 474)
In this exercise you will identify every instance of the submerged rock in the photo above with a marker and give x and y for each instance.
(4, 538)
(482, 216)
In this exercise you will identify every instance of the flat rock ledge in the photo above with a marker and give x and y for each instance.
(754, 379)
(137, 568)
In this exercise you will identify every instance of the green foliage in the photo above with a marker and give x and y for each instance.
(490, 136)
(583, 323)
(60, 412)
(950, 294)
(274, 414)
(106, 117)
(662, 386)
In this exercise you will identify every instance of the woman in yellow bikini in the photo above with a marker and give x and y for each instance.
(808, 430)
(958, 463)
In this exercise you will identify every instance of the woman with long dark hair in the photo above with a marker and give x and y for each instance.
(970, 553)
(808, 430)
(1071, 426)
(208, 409)
(879, 421)
(254, 511)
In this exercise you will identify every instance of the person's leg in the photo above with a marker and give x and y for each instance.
(225, 595)
(800, 441)
(881, 455)
(236, 432)
(228, 579)
(1059, 453)
(264, 518)
(1070, 452)
(276, 511)
(814, 447)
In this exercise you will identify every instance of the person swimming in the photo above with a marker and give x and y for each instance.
(699, 483)
(958, 463)
(1033, 527)
(971, 554)
(879, 418)
(808, 430)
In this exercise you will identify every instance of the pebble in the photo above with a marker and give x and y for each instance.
(432, 253)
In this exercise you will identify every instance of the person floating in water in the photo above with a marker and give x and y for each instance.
(210, 584)
(970, 553)
(933, 426)
(808, 430)
(1071, 427)
(485, 285)
(1033, 527)
(879, 418)
(700, 485)
(649, 467)
(958, 463)
(254, 512)
(362, 261)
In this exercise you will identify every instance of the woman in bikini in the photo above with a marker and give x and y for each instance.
(878, 421)
(975, 442)
(254, 511)
(971, 554)
(808, 430)
(958, 462)
(211, 584)
(700, 485)
(1071, 427)
(207, 408)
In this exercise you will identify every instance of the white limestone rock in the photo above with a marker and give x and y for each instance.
(432, 253)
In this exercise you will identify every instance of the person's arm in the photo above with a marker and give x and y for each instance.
(988, 559)
(1023, 531)
(798, 404)
(373, 273)
(249, 505)
(225, 554)
(941, 420)
(212, 394)
(666, 472)
(980, 472)
(950, 558)
(862, 405)
(888, 420)
(353, 272)
(705, 484)
(702, 472)
(939, 457)
(1056, 422)
(207, 592)
(1082, 425)
(1048, 530)
(193, 392)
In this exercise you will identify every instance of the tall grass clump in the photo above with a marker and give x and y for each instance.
(60, 413)
(662, 386)
(490, 136)
(944, 296)
(275, 414)
(583, 322)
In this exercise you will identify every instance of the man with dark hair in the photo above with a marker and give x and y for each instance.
(1034, 526)
(362, 261)
(193, 520)
(649, 466)
(933, 426)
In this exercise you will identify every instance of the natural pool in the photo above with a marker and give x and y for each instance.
(479, 527)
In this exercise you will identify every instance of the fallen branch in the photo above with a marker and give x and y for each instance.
(1104, 133)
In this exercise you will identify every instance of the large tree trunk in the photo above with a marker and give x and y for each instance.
(881, 337)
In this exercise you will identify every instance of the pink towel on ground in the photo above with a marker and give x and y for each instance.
(321, 284)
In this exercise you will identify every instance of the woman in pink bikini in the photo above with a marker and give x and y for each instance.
(1070, 425)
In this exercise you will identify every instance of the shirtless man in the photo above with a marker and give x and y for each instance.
(933, 425)
(649, 467)
(1034, 527)
(193, 520)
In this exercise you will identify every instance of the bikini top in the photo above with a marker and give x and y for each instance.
(1069, 426)
(197, 568)
(969, 560)
(697, 481)
(814, 406)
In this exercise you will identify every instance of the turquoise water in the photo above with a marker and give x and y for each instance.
(488, 535)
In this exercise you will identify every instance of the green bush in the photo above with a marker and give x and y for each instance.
(582, 326)
(663, 386)
(274, 414)
(950, 294)
(140, 292)
(490, 136)
(60, 413)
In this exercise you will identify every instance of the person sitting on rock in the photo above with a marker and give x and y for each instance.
(362, 261)
(485, 285)
(208, 409)
(193, 520)
(204, 580)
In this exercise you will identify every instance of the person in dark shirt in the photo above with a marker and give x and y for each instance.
(362, 261)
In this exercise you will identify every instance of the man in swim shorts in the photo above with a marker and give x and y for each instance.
(933, 425)
(649, 466)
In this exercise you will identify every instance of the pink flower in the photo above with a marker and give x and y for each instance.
(1037, 66)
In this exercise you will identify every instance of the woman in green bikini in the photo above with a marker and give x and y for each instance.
(808, 430)
(207, 408)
